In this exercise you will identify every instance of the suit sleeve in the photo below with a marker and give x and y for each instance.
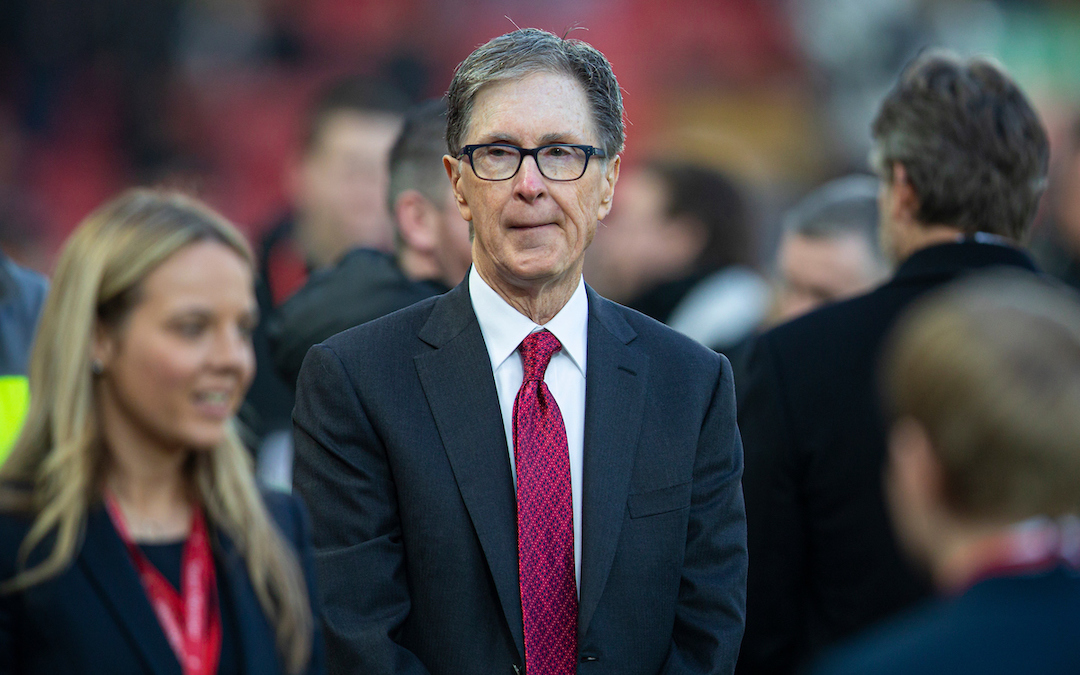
(710, 612)
(774, 639)
(342, 472)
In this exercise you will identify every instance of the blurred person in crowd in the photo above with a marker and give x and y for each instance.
(338, 188)
(432, 250)
(828, 251)
(984, 483)
(466, 483)
(338, 184)
(962, 159)
(1056, 244)
(132, 534)
(829, 247)
(22, 295)
(678, 248)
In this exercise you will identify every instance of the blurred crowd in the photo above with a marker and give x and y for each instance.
(765, 209)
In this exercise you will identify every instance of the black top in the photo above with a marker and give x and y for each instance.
(825, 562)
(365, 285)
(168, 559)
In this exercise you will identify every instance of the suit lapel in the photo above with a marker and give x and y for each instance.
(460, 390)
(614, 405)
(105, 560)
(257, 649)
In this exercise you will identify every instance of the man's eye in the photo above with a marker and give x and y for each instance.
(499, 152)
(558, 151)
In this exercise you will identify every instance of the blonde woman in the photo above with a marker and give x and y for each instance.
(132, 536)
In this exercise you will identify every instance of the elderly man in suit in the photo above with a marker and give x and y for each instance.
(962, 159)
(520, 475)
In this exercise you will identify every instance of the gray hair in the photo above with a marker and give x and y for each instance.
(973, 148)
(531, 50)
(846, 206)
(416, 158)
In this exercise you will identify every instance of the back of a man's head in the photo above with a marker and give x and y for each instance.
(416, 156)
(990, 368)
(973, 148)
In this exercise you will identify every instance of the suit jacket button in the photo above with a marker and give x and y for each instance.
(589, 658)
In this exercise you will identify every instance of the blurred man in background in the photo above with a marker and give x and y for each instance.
(829, 247)
(984, 463)
(432, 251)
(678, 249)
(962, 159)
(338, 186)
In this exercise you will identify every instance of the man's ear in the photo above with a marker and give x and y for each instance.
(416, 221)
(904, 202)
(914, 466)
(611, 176)
(453, 172)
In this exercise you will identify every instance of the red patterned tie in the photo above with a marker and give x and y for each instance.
(545, 517)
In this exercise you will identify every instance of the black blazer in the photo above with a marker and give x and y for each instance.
(402, 457)
(95, 618)
(824, 561)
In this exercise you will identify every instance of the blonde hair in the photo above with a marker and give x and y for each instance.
(55, 468)
(991, 369)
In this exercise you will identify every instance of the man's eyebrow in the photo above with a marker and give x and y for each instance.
(500, 137)
(560, 137)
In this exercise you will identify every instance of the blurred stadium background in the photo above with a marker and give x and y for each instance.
(208, 95)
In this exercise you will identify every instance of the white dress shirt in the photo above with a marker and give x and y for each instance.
(503, 328)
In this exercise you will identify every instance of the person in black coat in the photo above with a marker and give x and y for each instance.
(962, 159)
(984, 483)
(133, 538)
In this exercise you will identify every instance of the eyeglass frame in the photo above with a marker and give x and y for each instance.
(589, 151)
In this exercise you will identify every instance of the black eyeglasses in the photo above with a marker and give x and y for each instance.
(501, 161)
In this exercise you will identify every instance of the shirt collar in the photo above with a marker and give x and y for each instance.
(503, 327)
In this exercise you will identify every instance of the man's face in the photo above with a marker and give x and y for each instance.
(530, 231)
(341, 187)
(817, 270)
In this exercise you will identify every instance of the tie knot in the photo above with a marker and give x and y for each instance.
(536, 351)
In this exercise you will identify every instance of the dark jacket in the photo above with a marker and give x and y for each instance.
(824, 562)
(402, 456)
(94, 617)
(365, 285)
(1003, 626)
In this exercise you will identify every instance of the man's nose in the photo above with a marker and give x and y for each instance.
(529, 182)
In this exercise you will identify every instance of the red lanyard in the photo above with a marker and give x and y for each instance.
(192, 623)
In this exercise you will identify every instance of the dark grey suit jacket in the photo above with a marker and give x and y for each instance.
(402, 457)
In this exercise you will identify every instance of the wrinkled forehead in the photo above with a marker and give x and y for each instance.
(544, 105)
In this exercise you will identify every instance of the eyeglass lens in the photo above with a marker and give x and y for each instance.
(557, 162)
